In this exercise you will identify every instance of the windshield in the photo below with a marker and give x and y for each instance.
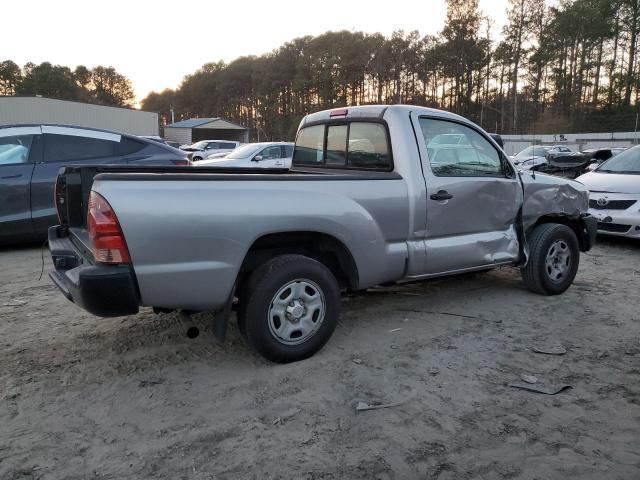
(245, 151)
(533, 152)
(625, 162)
(201, 144)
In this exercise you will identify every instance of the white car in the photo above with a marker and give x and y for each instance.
(199, 150)
(256, 155)
(614, 194)
(536, 155)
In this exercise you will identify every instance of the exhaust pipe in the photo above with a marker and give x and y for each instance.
(187, 322)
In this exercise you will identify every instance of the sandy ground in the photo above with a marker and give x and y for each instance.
(83, 397)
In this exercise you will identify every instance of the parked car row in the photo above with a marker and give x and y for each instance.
(30, 156)
(562, 160)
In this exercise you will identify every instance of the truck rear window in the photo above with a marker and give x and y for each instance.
(354, 145)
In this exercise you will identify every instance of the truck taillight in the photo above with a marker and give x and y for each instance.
(107, 240)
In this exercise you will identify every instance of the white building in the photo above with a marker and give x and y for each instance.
(38, 110)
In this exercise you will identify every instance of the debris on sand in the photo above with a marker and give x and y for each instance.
(285, 416)
(529, 378)
(14, 303)
(539, 388)
(362, 406)
(150, 383)
(550, 349)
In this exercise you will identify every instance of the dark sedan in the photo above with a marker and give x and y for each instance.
(31, 155)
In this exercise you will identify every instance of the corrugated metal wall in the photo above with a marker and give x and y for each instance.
(180, 135)
(16, 110)
(577, 141)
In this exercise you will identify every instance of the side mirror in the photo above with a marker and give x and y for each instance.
(257, 158)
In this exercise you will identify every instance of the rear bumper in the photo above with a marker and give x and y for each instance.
(103, 290)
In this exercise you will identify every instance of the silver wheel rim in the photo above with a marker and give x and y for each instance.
(296, 312)
(558, 261)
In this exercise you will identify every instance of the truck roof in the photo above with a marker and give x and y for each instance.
(378, 111)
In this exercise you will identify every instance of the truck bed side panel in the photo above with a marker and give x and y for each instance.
(188, 238)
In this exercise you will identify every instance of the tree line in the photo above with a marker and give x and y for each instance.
(567, 67)
(552, 69)
(100, 85)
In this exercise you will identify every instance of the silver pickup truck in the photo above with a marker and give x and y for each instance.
(376, 195)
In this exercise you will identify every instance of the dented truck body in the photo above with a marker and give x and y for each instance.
(376, 193)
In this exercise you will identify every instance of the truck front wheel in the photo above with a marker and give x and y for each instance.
(289, 308)
(554, 255)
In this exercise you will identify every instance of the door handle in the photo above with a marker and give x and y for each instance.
(441, 195)
(11, 176)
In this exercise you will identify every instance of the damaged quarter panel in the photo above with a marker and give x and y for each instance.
(545, 195)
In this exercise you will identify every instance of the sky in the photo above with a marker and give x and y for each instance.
(156, 43)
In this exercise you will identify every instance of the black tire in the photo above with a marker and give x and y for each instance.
(537, 274)
(256, 303)
(196, 159)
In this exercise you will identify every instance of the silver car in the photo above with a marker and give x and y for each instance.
(614, 197)
(536, 155)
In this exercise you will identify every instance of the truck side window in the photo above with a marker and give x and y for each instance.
(368, 146)
(309, 146)
(471, 155)
(15, 149)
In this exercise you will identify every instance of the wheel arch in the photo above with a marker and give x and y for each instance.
(323, 247)
(574, 222)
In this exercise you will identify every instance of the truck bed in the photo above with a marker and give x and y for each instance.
(74, 182)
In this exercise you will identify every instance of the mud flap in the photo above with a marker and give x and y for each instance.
(221, 318)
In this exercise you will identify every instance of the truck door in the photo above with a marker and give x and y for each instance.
(473, 197)
(16, 167)
(66, 146)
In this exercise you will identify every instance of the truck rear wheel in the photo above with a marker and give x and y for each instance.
(554, 255)
(289, 308)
